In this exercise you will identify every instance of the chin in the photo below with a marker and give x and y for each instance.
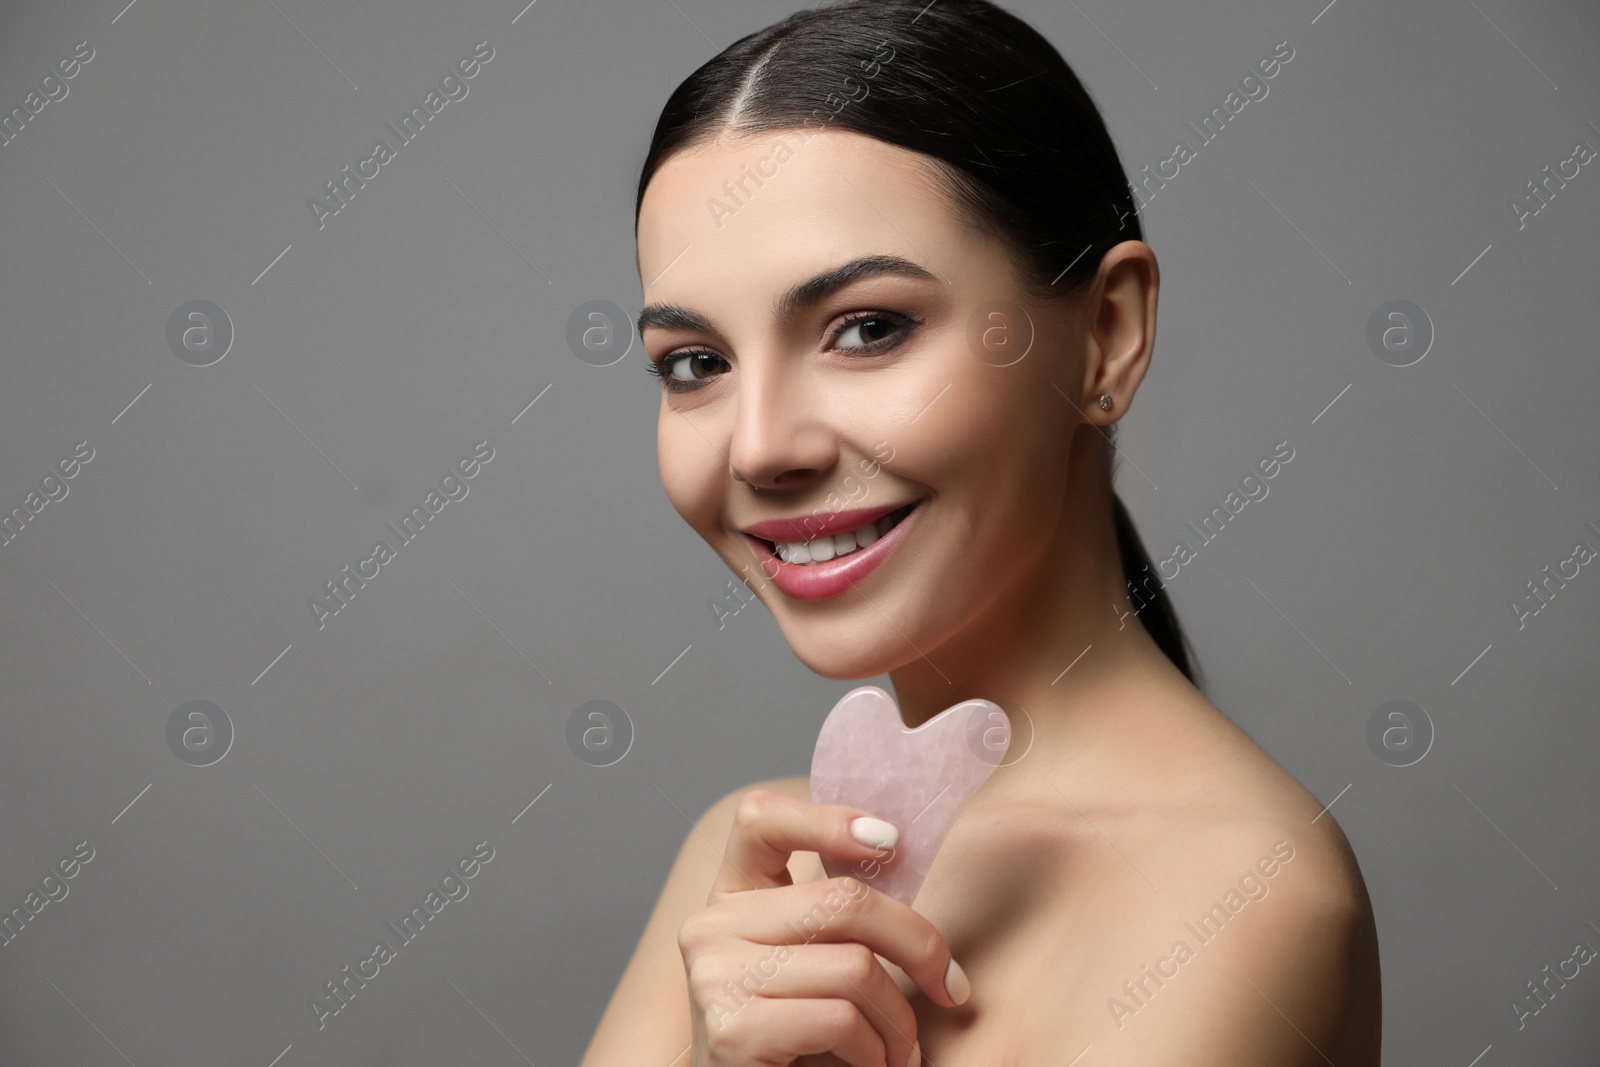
(845, 657)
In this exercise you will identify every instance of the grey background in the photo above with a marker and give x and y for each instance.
(431, 311)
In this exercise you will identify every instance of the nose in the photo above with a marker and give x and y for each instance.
(780, 438)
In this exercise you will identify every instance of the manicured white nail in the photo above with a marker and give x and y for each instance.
(916, 1055)
(956, 984)
(874, 832)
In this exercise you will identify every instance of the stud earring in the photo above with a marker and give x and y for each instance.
(1105, 401)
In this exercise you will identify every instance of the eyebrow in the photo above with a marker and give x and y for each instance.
(797, 298)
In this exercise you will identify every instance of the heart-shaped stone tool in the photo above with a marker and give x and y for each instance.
(919, 779)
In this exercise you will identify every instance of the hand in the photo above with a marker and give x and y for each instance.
(777, 971)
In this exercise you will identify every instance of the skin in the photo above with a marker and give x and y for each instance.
(1139, 805)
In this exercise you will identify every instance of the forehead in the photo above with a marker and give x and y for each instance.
(759, 208)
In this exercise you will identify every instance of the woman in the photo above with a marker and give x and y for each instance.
(897, 300)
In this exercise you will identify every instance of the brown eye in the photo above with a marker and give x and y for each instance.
(691, 365)
(684, 371)
(875, 329)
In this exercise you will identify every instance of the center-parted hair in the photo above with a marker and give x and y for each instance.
(1014, 138)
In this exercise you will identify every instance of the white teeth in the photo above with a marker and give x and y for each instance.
(840, 544)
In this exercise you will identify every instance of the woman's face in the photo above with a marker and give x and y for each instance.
(791, 399)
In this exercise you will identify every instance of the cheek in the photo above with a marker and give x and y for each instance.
(1043, 422)
(692, 474)
(1003, 445)
(989, 425)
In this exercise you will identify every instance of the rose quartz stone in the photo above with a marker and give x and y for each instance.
(919, 780)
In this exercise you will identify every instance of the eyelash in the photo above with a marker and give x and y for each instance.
(906, 325)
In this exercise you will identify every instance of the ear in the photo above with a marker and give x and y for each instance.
(1122, 329)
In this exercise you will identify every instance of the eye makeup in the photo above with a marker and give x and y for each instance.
(903, 325)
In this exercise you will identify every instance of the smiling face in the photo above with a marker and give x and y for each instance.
(819, 313)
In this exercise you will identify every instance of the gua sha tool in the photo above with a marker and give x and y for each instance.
(919, 779)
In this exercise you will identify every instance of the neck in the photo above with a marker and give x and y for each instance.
(1059, 648)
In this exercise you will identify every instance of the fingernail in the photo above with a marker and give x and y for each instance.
(874, 832)
(956, 984)
(916, 1055)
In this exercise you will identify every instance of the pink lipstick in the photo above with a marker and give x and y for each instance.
(819, 581)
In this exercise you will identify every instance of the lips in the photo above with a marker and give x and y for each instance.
(819, 581)
(818, 524)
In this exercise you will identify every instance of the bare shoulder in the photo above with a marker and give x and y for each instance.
(1247, 943)
(1216, 915)
(1219, 792)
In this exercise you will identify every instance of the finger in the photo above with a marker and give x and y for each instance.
(847, 970)
(769, 826)
(790, 1028)
(847, 909)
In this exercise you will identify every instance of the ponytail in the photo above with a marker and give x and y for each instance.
(1159, 620)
